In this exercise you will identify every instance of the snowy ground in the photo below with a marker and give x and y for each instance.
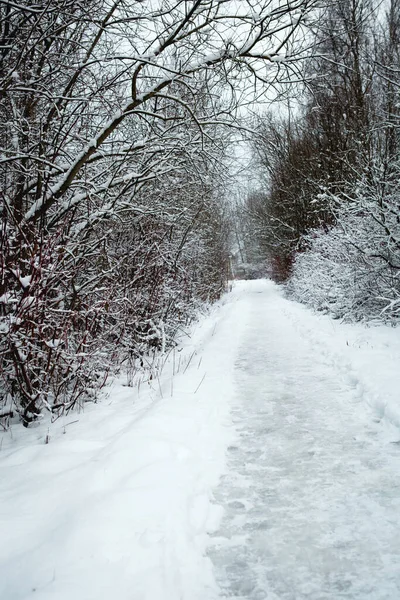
(298, 413)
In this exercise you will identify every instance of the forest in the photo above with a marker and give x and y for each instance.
(326, 215)
(119, 122)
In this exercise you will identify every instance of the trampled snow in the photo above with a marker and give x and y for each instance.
(263, 465)
(312, 491)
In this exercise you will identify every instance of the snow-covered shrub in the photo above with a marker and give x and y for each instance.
(79, 305)
(353, 270)
(51, 349)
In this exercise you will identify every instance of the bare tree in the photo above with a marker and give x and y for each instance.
(105, 104)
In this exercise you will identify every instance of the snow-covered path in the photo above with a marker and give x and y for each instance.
(299, 414)
(312, 495)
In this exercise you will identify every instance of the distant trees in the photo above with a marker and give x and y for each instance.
(288, 207)
(113, 125)
(330, 215)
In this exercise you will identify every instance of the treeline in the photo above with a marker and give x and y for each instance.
(328, 217)
(115, 125)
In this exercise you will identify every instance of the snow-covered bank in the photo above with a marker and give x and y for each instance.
(120, 505)
(366, 357)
